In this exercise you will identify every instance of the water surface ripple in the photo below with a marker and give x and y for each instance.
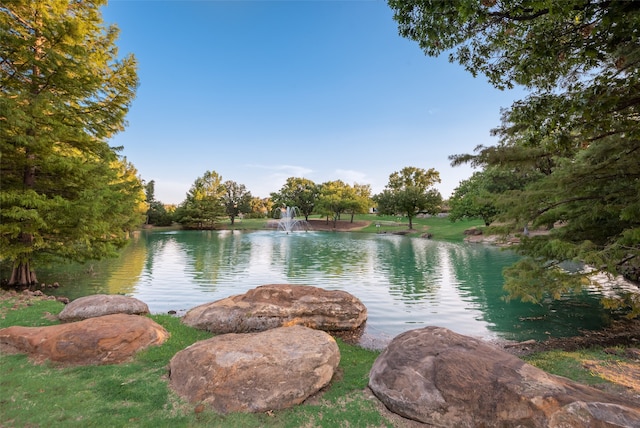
(405, 283)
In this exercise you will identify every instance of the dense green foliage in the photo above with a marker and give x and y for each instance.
(301, 193)
(360, 201)
(157, 214)
(64, 92)
(236, 200)
(260, 207)
(203, 204)
(337, 197)
(477, 197)
(209, 199)
(409, 192)
(577, 133)
(330, 199)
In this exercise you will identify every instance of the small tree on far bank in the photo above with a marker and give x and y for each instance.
(334, 199)
(410, 191)
(236, 199)
(203, 204)
(360, 200)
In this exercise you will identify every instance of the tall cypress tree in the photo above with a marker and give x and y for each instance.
(65, 193)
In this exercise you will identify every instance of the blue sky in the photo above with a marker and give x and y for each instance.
(259, 91)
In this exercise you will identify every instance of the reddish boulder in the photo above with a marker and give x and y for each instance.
(108, 339)
(98, 305)
(255, 372)
(271, 306)
(435, 376)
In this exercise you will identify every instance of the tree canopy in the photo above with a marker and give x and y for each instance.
(236, 199)
(360, 200)
(64, 92)
(203, 204)
(578, 130)
(334, 199)
(478, 196)
(298, 192)
(409, 192)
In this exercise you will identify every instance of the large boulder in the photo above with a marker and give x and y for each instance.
(255, 372)
(108, 339)
(98, 305)
(435, 376)
(271, 306)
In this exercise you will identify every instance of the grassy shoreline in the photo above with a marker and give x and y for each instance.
(440, 228)
(136, 394)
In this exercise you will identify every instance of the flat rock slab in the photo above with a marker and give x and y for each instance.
(279, 305)
(108, 339)
(435, 376)
(98, 305)
(255, 372)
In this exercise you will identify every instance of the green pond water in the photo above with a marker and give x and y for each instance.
(406, 283)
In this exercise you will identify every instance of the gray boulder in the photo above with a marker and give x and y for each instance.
(435, 376)
(279, 305)
(255, 372)
(98, 305)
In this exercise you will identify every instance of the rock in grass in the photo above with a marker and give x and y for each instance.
(435, 376)
(98, 305)
(255, 372)
(108, 339)
(279, 305)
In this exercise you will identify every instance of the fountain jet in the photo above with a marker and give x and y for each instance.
(288, 220)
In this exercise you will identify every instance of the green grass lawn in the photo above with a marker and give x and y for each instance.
(136, 394)
(440, 228)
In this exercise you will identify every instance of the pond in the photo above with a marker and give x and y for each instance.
(405, 283)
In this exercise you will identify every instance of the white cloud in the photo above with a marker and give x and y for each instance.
(284, 170)
(350, 176)
(272, 177)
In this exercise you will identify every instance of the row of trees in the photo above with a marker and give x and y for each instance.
(410, 191)
(568, 157)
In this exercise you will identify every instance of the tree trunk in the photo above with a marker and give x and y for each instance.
(410, 223)
(22, 275)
